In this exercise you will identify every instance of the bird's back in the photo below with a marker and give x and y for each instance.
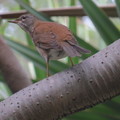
(57, 31)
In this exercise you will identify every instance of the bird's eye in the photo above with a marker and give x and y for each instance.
(23, 18)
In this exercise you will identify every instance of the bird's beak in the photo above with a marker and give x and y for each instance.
(14, 21)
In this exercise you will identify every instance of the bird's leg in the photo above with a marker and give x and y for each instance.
(71, 61)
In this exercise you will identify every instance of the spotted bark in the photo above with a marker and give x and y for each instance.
(91, 82)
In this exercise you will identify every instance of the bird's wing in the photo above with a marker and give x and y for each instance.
(45, 38)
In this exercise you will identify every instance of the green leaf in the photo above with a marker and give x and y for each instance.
(40, 74)
(33, 55)
(39, 15)
(118, 6)
(86, 115)
(26, 1)
(99, 112)
(105, 27)
(113, 105)
(4, 91)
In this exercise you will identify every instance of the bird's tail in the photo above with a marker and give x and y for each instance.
(81, 49)
(74, 50)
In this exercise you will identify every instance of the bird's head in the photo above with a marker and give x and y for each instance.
(26, 22)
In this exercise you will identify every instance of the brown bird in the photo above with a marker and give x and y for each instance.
(52, 40)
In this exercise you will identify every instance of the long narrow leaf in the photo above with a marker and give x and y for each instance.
(105, 27)
(86, 115)
(27, 2)
(118, 6)
(113, 105)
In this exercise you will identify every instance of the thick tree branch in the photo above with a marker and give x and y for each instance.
(13, 73)
(91, 82)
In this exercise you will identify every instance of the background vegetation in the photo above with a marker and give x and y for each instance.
(94, 35)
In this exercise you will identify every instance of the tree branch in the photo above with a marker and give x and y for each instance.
(12, 71)
(91, 82)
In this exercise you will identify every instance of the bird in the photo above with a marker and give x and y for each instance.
(52, 40)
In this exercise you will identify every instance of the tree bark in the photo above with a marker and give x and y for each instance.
(12, 71)
(93, 81)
